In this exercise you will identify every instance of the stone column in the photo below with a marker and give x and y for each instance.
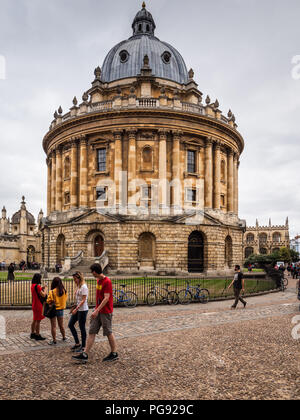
(53, 181)
(74, 174)
(162, 168)
(58, 198)
(83, 202)
(132, 167)
(230, 182)
(118, 165)
(236, 165)
(176, 179)
(217, 176)
(49, 204)
(208, 184)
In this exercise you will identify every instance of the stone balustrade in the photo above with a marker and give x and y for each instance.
(145, 103)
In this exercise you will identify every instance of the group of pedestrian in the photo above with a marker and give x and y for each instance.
(56, 300)
(294, 269)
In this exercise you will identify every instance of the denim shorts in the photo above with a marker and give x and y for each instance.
(60, 313)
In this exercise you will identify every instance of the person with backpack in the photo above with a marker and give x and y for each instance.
(58, 298)
(39, 295)
(238, 283)
(80, 312)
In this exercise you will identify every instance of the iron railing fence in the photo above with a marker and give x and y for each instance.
(18, 293)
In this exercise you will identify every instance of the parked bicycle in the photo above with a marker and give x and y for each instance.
(283, 283)
(162, 295)
(127, 298)
(191, 293)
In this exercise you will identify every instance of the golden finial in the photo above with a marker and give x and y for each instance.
(144, 5)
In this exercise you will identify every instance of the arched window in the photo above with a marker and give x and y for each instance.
(250, 237)
(223, 171)
(147, 250)
(196, 252)
(276, 237)
(60, 249)
(67, 168)
(263, 251)
(248, 251)
(147, 158)
(30, 254)
(98, 246)
(263, 238)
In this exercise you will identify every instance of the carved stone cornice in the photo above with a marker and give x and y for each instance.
(230, 152)
(209, 142)
(132, 133)
(118, 134)
(73, 142)
(177, 134)
(217, 144)
(163, 134)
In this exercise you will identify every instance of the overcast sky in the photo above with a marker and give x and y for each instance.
(241, 52)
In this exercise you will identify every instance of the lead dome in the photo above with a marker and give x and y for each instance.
(126, 58)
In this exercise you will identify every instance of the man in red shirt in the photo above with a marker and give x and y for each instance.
(101, 317)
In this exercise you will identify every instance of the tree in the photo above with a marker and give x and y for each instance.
(294, 255)
(285, 255)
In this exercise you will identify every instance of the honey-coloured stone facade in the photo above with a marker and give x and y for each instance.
(140, 166)
(265, 240)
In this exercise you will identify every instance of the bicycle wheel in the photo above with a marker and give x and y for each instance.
(173, 298)
(117, 298)
(286, 281)
(185, 297)
(163, 296)
(151, 299)
(130, 300)
(203, 295)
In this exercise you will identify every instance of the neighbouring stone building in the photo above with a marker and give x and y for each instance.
(265, 239)
(20, 239)
(142, 169)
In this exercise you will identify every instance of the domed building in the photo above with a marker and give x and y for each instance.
(20, 239)
(142, 171)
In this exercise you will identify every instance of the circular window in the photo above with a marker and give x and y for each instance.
(124, 56)
(166, 57)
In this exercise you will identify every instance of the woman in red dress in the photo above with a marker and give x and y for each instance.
(38, 293)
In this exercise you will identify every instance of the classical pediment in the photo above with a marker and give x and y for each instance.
(93, 216)
(198, 218)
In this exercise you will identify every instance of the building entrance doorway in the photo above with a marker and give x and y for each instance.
(98, 246)
(196, 253)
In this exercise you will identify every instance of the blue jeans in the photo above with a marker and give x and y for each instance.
(80, 317)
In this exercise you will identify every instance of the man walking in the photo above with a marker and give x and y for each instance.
(238, 286)
(101, 317)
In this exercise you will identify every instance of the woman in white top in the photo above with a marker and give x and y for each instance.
(80, 312)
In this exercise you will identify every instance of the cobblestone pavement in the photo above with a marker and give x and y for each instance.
(174, 319)
(166, 352)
